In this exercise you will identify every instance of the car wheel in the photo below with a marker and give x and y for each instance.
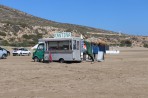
(20, 54)
(29, 54)
(36, 59)
(4, 56)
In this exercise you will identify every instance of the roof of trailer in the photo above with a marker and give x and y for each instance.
(58, 39)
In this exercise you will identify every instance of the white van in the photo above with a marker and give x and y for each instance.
(61, 49)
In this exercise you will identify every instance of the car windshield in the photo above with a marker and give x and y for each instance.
(15, 48)
(24, 49)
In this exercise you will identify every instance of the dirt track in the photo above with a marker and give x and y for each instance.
(119, 76)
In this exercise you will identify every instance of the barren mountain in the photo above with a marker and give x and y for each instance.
(21, 29)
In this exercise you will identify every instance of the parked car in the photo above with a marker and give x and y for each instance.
(8, 52)
(3, 53)
(21, 52)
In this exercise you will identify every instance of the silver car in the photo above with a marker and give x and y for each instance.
(3, 53)
(21, 52)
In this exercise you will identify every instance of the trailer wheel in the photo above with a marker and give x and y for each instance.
(36, 59)
(61, 60)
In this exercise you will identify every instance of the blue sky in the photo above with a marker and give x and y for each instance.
(127, 16)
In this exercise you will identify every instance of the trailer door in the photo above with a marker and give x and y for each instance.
(76, 50)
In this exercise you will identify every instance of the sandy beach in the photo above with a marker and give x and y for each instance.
(120, 76)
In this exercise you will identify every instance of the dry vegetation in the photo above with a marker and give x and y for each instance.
(21, 29)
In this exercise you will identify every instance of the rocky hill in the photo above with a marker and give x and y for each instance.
(21, 29)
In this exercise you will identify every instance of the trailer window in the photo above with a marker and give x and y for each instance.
(64, 45)
(74, 45)
(41, 47)
(53, 45)
(78, 44)
(70, 45)
(59, 45)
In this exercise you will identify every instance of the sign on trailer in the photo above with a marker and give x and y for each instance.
(62, 35)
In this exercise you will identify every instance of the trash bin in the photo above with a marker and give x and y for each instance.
(100, 56)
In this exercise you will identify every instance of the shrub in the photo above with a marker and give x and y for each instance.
(18, 44)
(126, 43)
(15, 44)
(145, 45)
(16, 28)
(5, 43)
(25, 43)
(11, 39)
(2, 33)
(15, 33)
(26, 36)
(69, 30)
(36, 31)
(39, 36)
(22, 24)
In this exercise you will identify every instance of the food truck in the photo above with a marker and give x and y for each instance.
(58, 49)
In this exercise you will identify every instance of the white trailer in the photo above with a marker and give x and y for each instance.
(61, 49)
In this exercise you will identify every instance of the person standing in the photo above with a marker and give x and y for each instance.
(89, 50)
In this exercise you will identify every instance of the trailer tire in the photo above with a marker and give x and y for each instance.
(61, 60)
(79, 61)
